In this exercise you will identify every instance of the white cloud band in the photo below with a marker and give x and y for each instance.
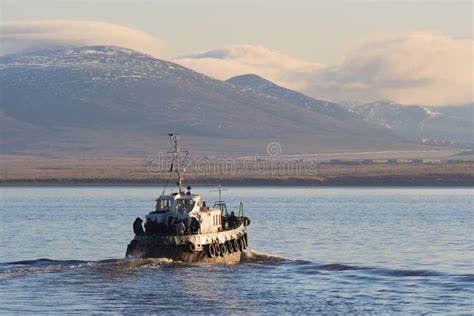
(416, 68)
(26, 35)
(241, 59)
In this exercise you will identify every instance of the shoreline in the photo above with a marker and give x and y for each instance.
(432, 180)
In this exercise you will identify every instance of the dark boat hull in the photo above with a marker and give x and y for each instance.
(192, 248)
(176, 253)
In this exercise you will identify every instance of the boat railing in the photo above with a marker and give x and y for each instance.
(220, 205)
(241, 209)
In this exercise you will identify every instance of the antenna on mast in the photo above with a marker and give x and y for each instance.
(175, 142)
(220, 189)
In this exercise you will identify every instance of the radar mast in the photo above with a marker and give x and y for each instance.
(175, 142)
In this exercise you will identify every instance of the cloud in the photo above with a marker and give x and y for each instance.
(416, 68)
(26, 35)
(240, 59)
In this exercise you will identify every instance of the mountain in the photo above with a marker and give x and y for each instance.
(331, 111)
(111, 100)
(446, 124)
(259, 84)
(465, 111)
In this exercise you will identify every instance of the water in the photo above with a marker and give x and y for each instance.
(313, 250)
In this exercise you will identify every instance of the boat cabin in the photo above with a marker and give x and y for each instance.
(177, 203)
(186, 207)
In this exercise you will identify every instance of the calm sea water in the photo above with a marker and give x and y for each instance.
(313, 250)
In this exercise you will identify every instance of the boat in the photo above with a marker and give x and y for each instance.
(183, 228)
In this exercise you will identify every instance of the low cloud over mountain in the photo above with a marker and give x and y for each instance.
(420, 68)
(30, 35)
(416, 68)
(240, 59)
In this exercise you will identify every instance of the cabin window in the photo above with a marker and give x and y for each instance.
(162, 205)
(185, 205)
(216, 220)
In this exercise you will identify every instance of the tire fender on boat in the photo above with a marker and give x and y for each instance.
(223, 250)
(241, 244)
(228, 244)
(218, 248)
(211, 250)
(235, 243)
(242, 241)
(191, 247)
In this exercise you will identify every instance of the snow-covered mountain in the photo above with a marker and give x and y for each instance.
(332, 110)
(465, 111)
(109, 99)
(452, 124)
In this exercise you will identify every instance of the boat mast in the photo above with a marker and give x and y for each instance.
(177, 149)
(220, 194)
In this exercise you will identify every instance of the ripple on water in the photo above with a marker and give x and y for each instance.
(43, 265)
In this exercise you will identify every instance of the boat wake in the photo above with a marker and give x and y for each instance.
(313, 268)
(251, 256)
(12, 270)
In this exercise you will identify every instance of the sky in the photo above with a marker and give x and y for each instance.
(406, 51)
